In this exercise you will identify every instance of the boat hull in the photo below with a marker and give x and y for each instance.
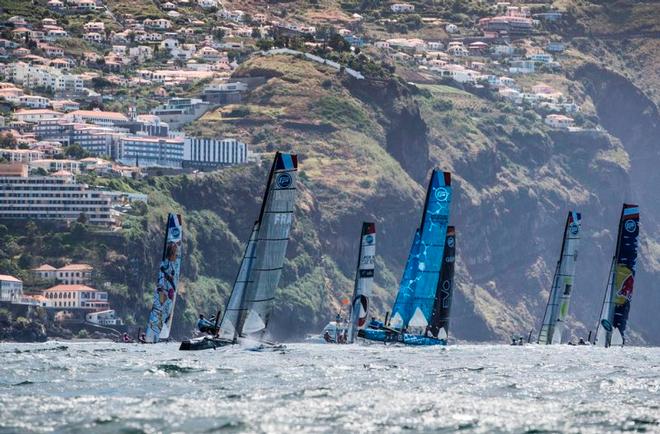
(391, 336)
(203, 343)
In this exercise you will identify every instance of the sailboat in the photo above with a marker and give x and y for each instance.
(610, 330)
(556, 310)
(417, 315)
(159, 323)
(250, 304)
(336, 332)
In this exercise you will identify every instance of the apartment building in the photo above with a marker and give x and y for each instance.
(11, 288)
(54, 197)
(77, 297)
(71, 274)
(151, 151)
(209, 153)
(31, 76)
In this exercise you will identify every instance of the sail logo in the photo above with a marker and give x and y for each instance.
(574, 228)
(630, 225)
(442, 194)
(450, 259)
(284, 180)
(369, 239)
(175, 232)
(450, 242)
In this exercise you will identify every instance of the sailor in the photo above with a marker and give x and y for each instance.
(582, 342)
(327, 336)
(338, 319)
(126, 338)
(143, 338)
(205, 326)
(375, 324)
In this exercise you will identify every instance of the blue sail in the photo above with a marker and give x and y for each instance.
(403, 305)
(433, 232)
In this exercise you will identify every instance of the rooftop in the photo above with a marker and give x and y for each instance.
(70, 288)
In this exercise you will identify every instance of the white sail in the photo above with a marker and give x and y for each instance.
(562, 284)
(442, 334)
(364, 277)
(418, 319)
(617, 338)
(236, 303)
(271, 242)
(601, 337)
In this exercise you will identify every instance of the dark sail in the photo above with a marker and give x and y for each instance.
(616, 307)
(439, 326)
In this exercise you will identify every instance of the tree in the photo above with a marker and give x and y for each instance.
(264, 44)
(218, 33)
(256, 32)
(76, 152)
(82, 218)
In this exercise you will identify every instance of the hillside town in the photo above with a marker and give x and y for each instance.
(88, 92)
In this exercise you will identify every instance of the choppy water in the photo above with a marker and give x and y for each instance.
(104, 387)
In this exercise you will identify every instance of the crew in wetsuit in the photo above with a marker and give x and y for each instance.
(375, 324)
(206, 326)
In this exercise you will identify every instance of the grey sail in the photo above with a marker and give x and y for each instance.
(274, 225)
(236, 303)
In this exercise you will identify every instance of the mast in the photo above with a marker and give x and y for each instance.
(364, 277)
(274, 225)
(439, 326)
(159, 323)
(562, 287)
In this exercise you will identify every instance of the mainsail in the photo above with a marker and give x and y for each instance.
(439, 326)
(433, 231)
(562, 284)
(616, 306)
(160, 317)
(272, 236)
(424, 262)
(402, 309)
(236, 303)
(363, 279)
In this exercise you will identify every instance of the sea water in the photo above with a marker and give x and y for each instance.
(107, 388)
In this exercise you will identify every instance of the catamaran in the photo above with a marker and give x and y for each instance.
(159, 323)
(556, 310)
(421, 309)
(345, 332)
(248, 310)
(610, 330)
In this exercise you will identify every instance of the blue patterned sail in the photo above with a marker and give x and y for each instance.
(403, 305)
(433, 232)
(160, 318)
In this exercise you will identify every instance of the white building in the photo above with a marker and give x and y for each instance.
(11, 288)
(402, 8)
(21, 155)
(104, 317)
(147, 151)
(206, 152)
(56, 197)
(77, 297)
(32, 76)
(71, 274)
(559, 121)
(72, 166)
